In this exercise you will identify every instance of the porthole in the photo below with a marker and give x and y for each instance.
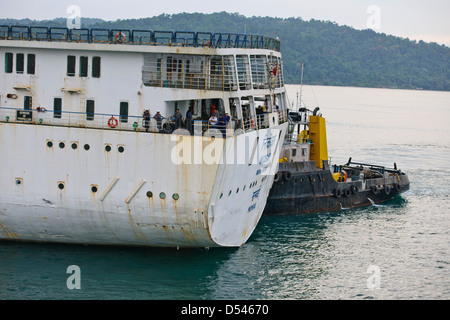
(221, 195)
(229, 193)
(162, 195)
(74, 146)
(50, 144)
(121, 149)
(60, 186)
(86, 147)
(108, 148)
(18, 182)
(94, 189)
(149, 194)
(62, 145)
(237, 191)
(176, 196)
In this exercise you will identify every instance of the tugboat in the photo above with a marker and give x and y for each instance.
(305, 182)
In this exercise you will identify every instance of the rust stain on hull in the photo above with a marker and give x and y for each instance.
(9, 235)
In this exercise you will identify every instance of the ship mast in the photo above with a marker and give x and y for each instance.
(299, 104)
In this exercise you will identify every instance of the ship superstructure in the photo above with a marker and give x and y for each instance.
(109, 136)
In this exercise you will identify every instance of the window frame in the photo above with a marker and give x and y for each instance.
(84, 66)
(90, 114)
(57, 108)
(123, 115)
(27, 102)
(31, 63)
(71, 65)
(20, 63)
(96, 67)
(9, 62)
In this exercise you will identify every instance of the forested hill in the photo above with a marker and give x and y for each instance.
(333, 54)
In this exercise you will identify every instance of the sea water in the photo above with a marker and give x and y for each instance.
(397, 250)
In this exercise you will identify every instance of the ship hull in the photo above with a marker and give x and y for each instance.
(144, 191)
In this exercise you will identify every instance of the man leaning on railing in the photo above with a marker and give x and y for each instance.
(158, 117)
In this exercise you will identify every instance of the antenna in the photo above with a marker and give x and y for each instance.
(301, 87)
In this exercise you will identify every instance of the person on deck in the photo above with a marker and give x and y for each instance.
(158, 117)
(178, 119)
(146, 121)
(213, 120)
(223, 123)
(189, 119)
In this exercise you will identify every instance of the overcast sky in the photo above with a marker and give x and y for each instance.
(426, 20)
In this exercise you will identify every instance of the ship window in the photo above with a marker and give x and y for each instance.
(83, 66)
(96, 67)
(57, 108)
(259, 71)
(294, 152)
(304, 152)
(242, 65)
(90, 110)
(124, 112)
(71, 60)
(31, 64)
(9, 62)
(27, 102)
(19, 62)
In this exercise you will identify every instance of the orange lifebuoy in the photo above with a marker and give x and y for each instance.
(208, 44)
(252, 123)
(112, 122)
(343, 176)
(120, 37)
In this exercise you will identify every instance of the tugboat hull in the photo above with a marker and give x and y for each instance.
(302, 188)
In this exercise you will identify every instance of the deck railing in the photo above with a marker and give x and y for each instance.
(140, 37)
(40, 116)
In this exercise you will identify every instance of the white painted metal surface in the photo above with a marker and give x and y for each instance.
(76, 180)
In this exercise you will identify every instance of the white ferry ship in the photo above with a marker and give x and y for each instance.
(83, 162)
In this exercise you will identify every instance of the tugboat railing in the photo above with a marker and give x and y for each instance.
(378, 168)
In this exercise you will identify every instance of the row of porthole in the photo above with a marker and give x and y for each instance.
(162, 195)
(253, 184)
(62, 145)
(94, 189)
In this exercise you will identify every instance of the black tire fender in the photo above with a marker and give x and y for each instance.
(288, 175)
(374, 189)
(347, 193)
(337, 193)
